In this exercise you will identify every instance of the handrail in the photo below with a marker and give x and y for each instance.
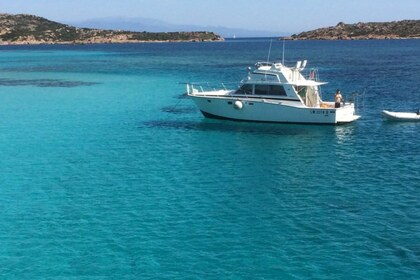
(206, 86)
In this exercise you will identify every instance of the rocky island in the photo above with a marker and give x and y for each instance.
(30, 29)
(405, 29)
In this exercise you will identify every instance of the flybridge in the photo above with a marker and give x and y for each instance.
(300, 65)
(276, 71)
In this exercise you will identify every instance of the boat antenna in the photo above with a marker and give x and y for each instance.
(269, 51)
(282, 58)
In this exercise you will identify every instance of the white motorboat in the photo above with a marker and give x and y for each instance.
(273, 92)
(401, 116)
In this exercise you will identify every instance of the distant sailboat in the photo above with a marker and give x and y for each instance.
(234, 36)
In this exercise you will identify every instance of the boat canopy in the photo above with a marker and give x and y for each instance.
(307, 83)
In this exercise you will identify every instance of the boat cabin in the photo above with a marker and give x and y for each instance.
(275, 81)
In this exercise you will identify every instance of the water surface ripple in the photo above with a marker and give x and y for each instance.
(107, 171)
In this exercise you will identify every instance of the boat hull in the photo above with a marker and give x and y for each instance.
(278, 111)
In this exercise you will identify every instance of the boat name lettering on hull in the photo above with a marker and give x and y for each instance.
(322, 112)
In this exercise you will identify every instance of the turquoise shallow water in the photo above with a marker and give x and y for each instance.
(108, 172)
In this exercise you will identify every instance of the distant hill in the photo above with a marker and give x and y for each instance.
(361, 31)
(154, 25)
(30, 29)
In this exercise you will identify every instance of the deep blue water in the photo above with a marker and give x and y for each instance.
(108, 172)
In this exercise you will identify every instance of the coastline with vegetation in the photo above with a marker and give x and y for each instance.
(33, 30)
(25, 29)
(405, 29)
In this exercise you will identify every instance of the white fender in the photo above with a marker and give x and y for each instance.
(238, 105)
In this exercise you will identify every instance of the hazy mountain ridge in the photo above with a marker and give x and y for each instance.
(404, 29)
(30, 29)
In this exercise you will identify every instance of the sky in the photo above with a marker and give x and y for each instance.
(270, 15)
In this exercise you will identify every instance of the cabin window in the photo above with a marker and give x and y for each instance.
(277, 90)
(270, 90)
(262, 89)
(244, 89)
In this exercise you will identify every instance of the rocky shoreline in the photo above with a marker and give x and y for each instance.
(29, 41)
(406, 29)
(34, 30)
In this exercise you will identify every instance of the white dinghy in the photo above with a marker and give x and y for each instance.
(401, 116)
